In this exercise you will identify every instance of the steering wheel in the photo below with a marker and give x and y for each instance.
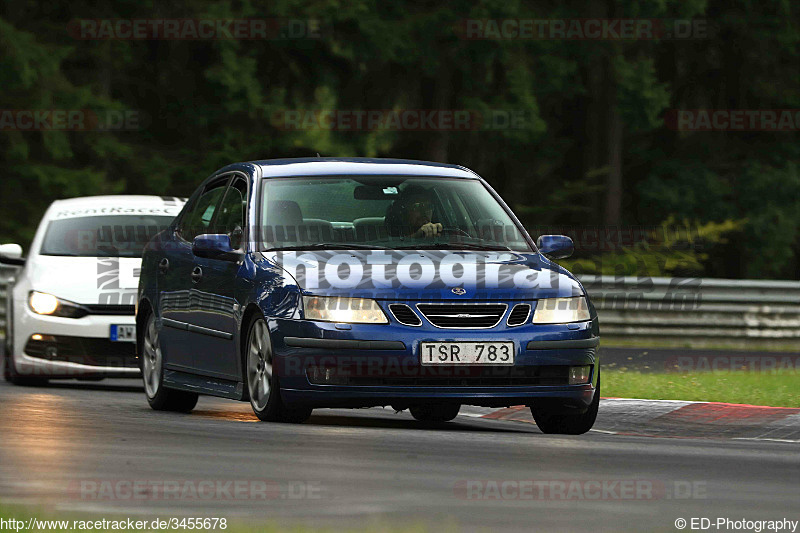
(453, 230)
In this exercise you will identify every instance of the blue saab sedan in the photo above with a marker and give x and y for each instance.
(297, 284)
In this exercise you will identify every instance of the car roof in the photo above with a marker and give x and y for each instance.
(331, 166)
(120, 200)
(114, 205)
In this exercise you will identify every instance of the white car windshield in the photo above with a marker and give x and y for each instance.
(102, 236)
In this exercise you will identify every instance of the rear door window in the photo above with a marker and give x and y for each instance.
(197, 220)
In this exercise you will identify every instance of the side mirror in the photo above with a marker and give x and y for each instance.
(215, 246)
(555, 246)
(11, 254)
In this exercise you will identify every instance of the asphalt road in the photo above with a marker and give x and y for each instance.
(74, 446)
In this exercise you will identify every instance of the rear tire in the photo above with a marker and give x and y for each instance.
(151, 362)
(567, 424)
(435, 412)
(262, 382)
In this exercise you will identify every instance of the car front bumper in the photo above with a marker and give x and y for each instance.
(371, 365)
(71, 347)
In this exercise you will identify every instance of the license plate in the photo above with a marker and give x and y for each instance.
(466, 353)
(123, 333)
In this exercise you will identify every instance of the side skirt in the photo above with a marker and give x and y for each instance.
(223, 388)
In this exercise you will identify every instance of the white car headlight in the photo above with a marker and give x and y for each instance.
(43, 304)
(561, 310)
(345, 310)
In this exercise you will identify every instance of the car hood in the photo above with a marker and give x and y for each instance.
(417, 274)
(85, 280)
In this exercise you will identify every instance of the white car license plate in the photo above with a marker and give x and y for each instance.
(466, 353)
(123, 333)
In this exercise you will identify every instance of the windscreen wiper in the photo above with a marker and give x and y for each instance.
(458, 246)
(327, 246)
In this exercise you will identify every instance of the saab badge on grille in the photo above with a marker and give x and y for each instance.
(458, 291)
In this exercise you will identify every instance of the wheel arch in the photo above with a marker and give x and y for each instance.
(8, 340)
(251, 311)
(144, 311)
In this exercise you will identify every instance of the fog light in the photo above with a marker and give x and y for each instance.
(579, 374)
(321, 375)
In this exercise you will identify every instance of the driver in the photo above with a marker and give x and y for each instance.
(410, 214)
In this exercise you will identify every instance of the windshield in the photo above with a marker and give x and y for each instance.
(385, 212)
(102, 236)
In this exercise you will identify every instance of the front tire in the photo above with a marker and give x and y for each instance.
(15, 378)
(262, 382)
(567, 424)
(159, 397)
(435, 412)
(10, 373)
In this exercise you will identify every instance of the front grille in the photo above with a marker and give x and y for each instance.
(444, 377)
(519, 315)
(83, 351)
(103, 309)
(405, 315)
(463, 315)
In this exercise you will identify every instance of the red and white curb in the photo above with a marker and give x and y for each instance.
(675, 418)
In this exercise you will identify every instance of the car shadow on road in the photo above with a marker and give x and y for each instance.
(391, 421)
(367, 418)
(103, 386)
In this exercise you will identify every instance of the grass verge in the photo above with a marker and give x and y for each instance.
(778, 389)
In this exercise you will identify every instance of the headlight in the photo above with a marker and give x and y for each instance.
(347, 310)
(46, 304)
(561, 310)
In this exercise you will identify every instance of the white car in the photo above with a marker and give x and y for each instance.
(70, 310)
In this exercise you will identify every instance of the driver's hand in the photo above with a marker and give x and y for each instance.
(430, 230)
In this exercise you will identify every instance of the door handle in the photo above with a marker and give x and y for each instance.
(197, 274)
(163, 265)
